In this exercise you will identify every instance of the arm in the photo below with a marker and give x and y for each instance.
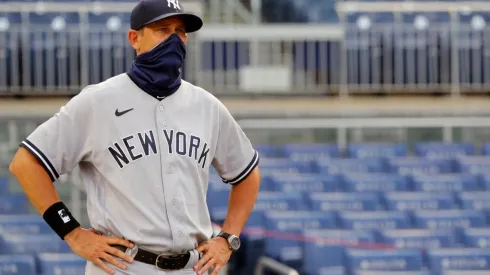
(53, 149)
(35, 181)
(241, 202)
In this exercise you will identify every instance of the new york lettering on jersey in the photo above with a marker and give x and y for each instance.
(180, 143)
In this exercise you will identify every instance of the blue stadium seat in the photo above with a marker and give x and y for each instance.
(485, 181)
(445, 183)
(443, 150)
(267, 201)
(218, 193)
(476, 237)
(344, 201)
(473, 164)
(372, 150)
(374, 220)
(268, 151)
(56, 21)
(448, 219)
(474, 200)
(4, 184)
(377, 272)
(320, 243)
(458, 259)
(485, 149)
(310, 151)
(413, 201)
(13, 204)
(32, 244)
(374, 182)
(17, 265)
(465, 272)
(385, 260)
(418, 238)
(418, 165)
(23, 224)
(343, 166)
(111, 21)
(281, 165)
(286, 248)
(365, 20)
(306, 183)
(425, 19)
(57, 264)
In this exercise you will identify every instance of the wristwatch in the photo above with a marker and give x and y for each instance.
(233, 241)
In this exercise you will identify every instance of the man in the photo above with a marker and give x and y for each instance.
(144, 142)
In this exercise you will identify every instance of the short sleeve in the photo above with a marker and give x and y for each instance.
(235, 157)
(61, 142)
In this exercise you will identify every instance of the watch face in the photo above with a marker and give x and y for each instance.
(234, 243)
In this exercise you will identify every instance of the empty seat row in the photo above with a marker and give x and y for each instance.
(365, 201)
(42, 264)
(390, 250)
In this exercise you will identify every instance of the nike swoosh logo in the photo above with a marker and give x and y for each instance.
(123, 112)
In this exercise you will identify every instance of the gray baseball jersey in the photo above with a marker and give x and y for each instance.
(144, 162)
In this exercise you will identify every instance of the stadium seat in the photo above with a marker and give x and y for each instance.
(23, 224)
(17, 265)
(310, 151)
(344, 166)
(344, 202)
(267, 201)
(218, 193)
(473, 164)
(377, 272)
(418, 238)
(281, 165)
(385, 260)
(448, 219)
(445, 183)
(305, 183)
(283, 240)
(419, 165)
(458, 259)
(268, 151)
(476, 237)
(374, 182)
(465, 272)
(319, 243)
(61, 264)
(376, 150)
(374, 220)
(414, 201)
(443, 150)
(4, 184)
(32, 244)
(474, 200)
(13, 204)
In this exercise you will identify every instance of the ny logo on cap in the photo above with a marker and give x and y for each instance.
(174, 2)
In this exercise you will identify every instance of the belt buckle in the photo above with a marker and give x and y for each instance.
(156, 263)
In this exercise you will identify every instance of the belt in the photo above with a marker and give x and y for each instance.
(162, 262)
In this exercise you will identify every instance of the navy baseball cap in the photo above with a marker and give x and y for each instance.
(149, 11)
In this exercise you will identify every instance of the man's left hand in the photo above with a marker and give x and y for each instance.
(216, 252)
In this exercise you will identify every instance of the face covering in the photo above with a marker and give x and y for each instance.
(158, 72)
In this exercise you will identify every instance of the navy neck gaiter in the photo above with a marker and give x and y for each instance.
(158, 72)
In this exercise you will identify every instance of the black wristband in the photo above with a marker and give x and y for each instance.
(59, 218)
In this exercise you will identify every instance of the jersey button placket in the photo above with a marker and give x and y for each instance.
(168, 192)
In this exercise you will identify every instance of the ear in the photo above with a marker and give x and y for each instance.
(134, 39)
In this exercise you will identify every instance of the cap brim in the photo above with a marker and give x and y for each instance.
(192, 22)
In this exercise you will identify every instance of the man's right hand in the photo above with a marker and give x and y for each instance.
(97, 248)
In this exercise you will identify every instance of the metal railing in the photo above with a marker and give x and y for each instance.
(354, 57)
(266, 263)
